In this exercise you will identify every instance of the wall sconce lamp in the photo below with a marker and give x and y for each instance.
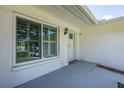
(80, 33)
(65, 31)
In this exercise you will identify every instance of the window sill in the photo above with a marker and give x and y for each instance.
(33, 63)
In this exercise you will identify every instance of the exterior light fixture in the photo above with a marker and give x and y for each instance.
(65, 31)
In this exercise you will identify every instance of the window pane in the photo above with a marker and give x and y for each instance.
(53, 49)
(45, 50)
(34, 31)
(70, 36)
(34, 49)
(21, 29)
(53, 42)
(53, 34)
(28, 40)
(45, 33)
(49, 41)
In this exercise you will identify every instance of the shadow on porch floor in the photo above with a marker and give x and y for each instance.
(80, 74)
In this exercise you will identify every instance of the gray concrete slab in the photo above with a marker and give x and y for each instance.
(78, 75)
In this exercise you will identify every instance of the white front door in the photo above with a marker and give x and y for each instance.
(71, 46)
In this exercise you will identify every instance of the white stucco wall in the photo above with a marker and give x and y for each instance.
(10, 78)
(104, 44)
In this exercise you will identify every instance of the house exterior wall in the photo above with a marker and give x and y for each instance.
(11, 77)
(104, 44)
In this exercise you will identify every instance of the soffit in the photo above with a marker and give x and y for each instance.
(78, 15)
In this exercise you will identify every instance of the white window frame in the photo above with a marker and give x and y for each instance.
(15, 15)
(49, 49)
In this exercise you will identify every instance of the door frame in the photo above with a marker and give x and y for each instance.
(75, 42)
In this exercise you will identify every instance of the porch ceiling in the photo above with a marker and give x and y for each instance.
(81, 12)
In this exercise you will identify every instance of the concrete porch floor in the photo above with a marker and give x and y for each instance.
(77, 75)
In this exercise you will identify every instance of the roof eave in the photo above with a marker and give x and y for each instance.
(88, 13)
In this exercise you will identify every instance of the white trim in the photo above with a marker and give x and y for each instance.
(14, 40)
(31, 62)
(50, 41)
(88, 13)
(42, 41)
(58, 41)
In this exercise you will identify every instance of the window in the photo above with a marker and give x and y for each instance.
(70, 36)
(29, 42)
(49, 41)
